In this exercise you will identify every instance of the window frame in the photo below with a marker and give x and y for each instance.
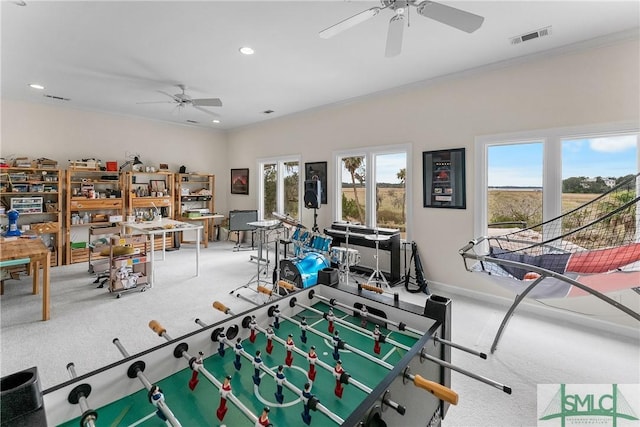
(370, 153)
(551, 140)
(280, 202)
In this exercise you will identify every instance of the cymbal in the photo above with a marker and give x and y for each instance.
(379, 237)
(288, 220)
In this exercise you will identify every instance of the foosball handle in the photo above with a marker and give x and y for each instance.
(220, 306)
(288, 286)
(157, 327)
(264, 290)
(371, 288)
(438, 390)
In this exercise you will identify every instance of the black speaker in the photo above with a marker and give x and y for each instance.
(312, 193)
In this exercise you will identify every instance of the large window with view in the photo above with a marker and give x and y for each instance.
(528, 179)
(279, 189)
(373, 187)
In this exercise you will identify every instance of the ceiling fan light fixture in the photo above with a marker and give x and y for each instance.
(36, 86)
(246, 50)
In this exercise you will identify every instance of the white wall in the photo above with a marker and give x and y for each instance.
(586, 86)
(63, 134)
(598, 85)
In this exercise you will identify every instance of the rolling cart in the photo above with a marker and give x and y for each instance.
(128, 263)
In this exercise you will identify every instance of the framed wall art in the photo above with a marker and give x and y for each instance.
(443, 179)
(239, 181)
(317, 170)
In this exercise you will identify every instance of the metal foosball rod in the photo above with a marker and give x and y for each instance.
(79, 396)
(400, 325)
(155, 394)
(440, 391)
(182, 349)
(401, 409)
(318, 406)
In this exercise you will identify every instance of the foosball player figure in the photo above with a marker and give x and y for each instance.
(330, 318)
(269, 333)
(338, 344)
(364, 313)
(377, 339)
(156, 397)
(238, 350)
(263, 420)
(310, 402)
(289, 345)
(303, 329)
(225, 391)
(195, 363)
(221, 338)
(257, 361)
(276, 317)
(279, 381)
(341, 378)
(253, 325)
(312, 357)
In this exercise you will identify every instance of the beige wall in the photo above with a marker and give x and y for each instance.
(582, 87)
(64, 134)
(599, 85)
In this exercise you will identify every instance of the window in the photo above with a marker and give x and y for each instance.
(373, 186)
(279, 187)
(536, 176)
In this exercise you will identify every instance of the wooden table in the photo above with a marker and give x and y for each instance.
(40, 257)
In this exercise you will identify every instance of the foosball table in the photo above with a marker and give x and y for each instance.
(320, 356)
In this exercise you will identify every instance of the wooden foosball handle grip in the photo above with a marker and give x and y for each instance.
(157, 327)
(371, 288)
(264, 290)
(286, 285)
(438, 390)
(220, 306)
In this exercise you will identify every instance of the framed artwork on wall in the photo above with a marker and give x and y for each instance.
(239, 181)
(443, 179)
(317, 170)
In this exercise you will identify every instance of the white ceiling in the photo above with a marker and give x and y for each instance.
(111, 55)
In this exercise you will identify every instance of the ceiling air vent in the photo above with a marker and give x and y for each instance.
(268, 112)
(57, 98)
(546, 31)
(192, 121)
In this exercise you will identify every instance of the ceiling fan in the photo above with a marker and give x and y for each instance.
(182, 100)
(457, 18)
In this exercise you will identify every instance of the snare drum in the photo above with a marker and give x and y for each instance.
(340, 256)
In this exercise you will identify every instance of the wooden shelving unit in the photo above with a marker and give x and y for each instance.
(147, 192)
(92, 197)
(36, 193)
(195, 201)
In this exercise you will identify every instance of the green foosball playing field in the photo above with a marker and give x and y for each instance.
(199, 407)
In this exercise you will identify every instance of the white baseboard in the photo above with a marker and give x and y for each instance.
(546, 312)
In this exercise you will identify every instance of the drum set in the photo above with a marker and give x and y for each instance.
(312, 252)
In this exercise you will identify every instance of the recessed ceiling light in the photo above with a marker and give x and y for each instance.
(36, 86)
(215, 121)
(246, 50)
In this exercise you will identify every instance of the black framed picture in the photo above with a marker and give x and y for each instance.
(443, 179)
(239, 181)
(317, 170)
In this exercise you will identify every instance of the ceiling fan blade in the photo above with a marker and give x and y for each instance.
(211, 113)
(175, 98)
(156, 102)
(460, 19)
(394, 36)
(207, 102)
(349, 22)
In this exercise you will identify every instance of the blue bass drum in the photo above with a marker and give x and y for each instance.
(303, 271)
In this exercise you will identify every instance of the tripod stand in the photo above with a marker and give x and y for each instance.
(377, 276)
